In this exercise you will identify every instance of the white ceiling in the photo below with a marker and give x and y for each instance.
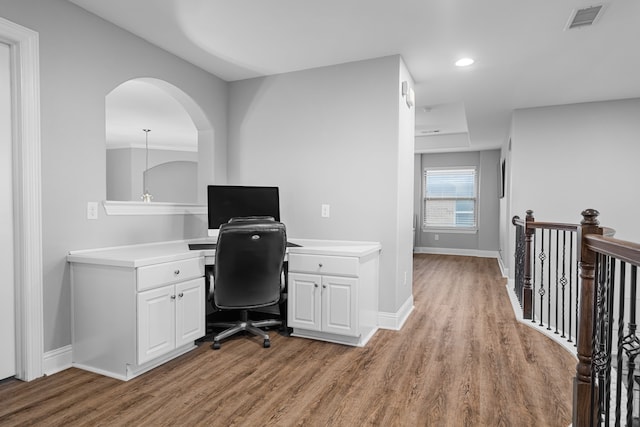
(524, 57)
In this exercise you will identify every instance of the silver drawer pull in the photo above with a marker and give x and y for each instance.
(176, 272)
(173, 297)
(320, 265)
(180, 295)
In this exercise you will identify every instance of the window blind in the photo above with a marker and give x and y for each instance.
(450, 198)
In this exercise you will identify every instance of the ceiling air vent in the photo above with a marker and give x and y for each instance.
(584, 17)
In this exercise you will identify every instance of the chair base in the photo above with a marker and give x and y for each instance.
(244, 325)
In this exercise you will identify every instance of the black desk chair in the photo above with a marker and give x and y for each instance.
(248, 273)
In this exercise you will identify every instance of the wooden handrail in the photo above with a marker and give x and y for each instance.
(553, 226)
(620, 249)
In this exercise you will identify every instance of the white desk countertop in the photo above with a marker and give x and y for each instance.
(152, 253)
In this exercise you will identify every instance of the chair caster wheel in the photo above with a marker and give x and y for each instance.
(267, 343)
(216, 345)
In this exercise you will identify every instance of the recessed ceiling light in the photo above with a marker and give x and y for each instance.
(464, 62)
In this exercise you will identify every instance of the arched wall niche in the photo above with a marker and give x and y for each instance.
(182, 133)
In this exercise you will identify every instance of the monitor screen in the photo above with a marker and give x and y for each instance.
(229, 201)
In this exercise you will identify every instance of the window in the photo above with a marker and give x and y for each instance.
(450, 198)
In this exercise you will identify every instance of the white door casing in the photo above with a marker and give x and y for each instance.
(7, 285)
(25, 106)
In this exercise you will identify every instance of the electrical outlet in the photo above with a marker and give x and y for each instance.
(436, 237)
(92, 210)
(325, 211)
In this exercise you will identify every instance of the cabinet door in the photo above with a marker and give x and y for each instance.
(156, 323)
(339, 305)
(190, 311)
(304, 299)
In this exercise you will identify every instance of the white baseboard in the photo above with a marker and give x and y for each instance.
(57, 360)
(394, 321)
(517, 312)
(455, 251)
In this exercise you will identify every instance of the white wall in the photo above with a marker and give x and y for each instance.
(404, 188)
(565, 159)
(82, 58)
(125, 168)
(333, 135)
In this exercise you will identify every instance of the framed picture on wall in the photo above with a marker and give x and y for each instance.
(501, 177)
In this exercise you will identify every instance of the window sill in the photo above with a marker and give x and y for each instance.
(451, 230)
(153, 208)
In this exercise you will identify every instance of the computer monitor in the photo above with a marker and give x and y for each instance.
(230, 201)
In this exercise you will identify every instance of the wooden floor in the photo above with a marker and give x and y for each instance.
(461, 359)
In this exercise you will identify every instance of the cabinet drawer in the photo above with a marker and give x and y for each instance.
(155, 275)
(319, 264)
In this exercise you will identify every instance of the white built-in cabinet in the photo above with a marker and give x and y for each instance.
(333, 297)
(131, 314)
(169, 317)
(136, 307)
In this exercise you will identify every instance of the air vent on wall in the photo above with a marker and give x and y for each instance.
(584, 17)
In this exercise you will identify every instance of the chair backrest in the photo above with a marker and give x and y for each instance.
(248, 267)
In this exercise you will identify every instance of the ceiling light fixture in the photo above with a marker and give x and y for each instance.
(464, 62)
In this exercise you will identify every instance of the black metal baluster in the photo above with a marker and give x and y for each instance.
(557, 299)
(549, 283)
(563, 280)
(577, 271)
(571, 285)
(599, 342)
(533, 278)
(541, 291)
(519, 259)
(607, 269)
(631, 345)
(595, 344)
(620, 342)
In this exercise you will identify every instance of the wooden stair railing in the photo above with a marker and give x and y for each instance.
(606, 388)
(545, 281)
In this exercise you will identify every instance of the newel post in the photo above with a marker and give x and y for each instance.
(527, 290)
(584, 414)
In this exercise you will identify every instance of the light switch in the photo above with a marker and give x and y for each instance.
(92, 210)
(325, 211)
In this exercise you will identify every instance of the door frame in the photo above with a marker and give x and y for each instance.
(25, 106)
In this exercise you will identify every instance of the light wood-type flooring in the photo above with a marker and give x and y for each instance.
(461, 359)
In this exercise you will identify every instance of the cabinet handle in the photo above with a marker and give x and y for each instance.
(180, 295)
(315, 285)
(176, 272)
(320, 265)
(324, 286)
(173, 297)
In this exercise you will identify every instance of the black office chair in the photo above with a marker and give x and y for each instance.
(248, 273)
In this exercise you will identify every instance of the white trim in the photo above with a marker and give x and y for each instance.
(127, 145)
(395, 321)
(58, 360)
(455, 251)
(156, 208)
(27, 197)
(449, 230)
(517, 311)
(503, 269)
